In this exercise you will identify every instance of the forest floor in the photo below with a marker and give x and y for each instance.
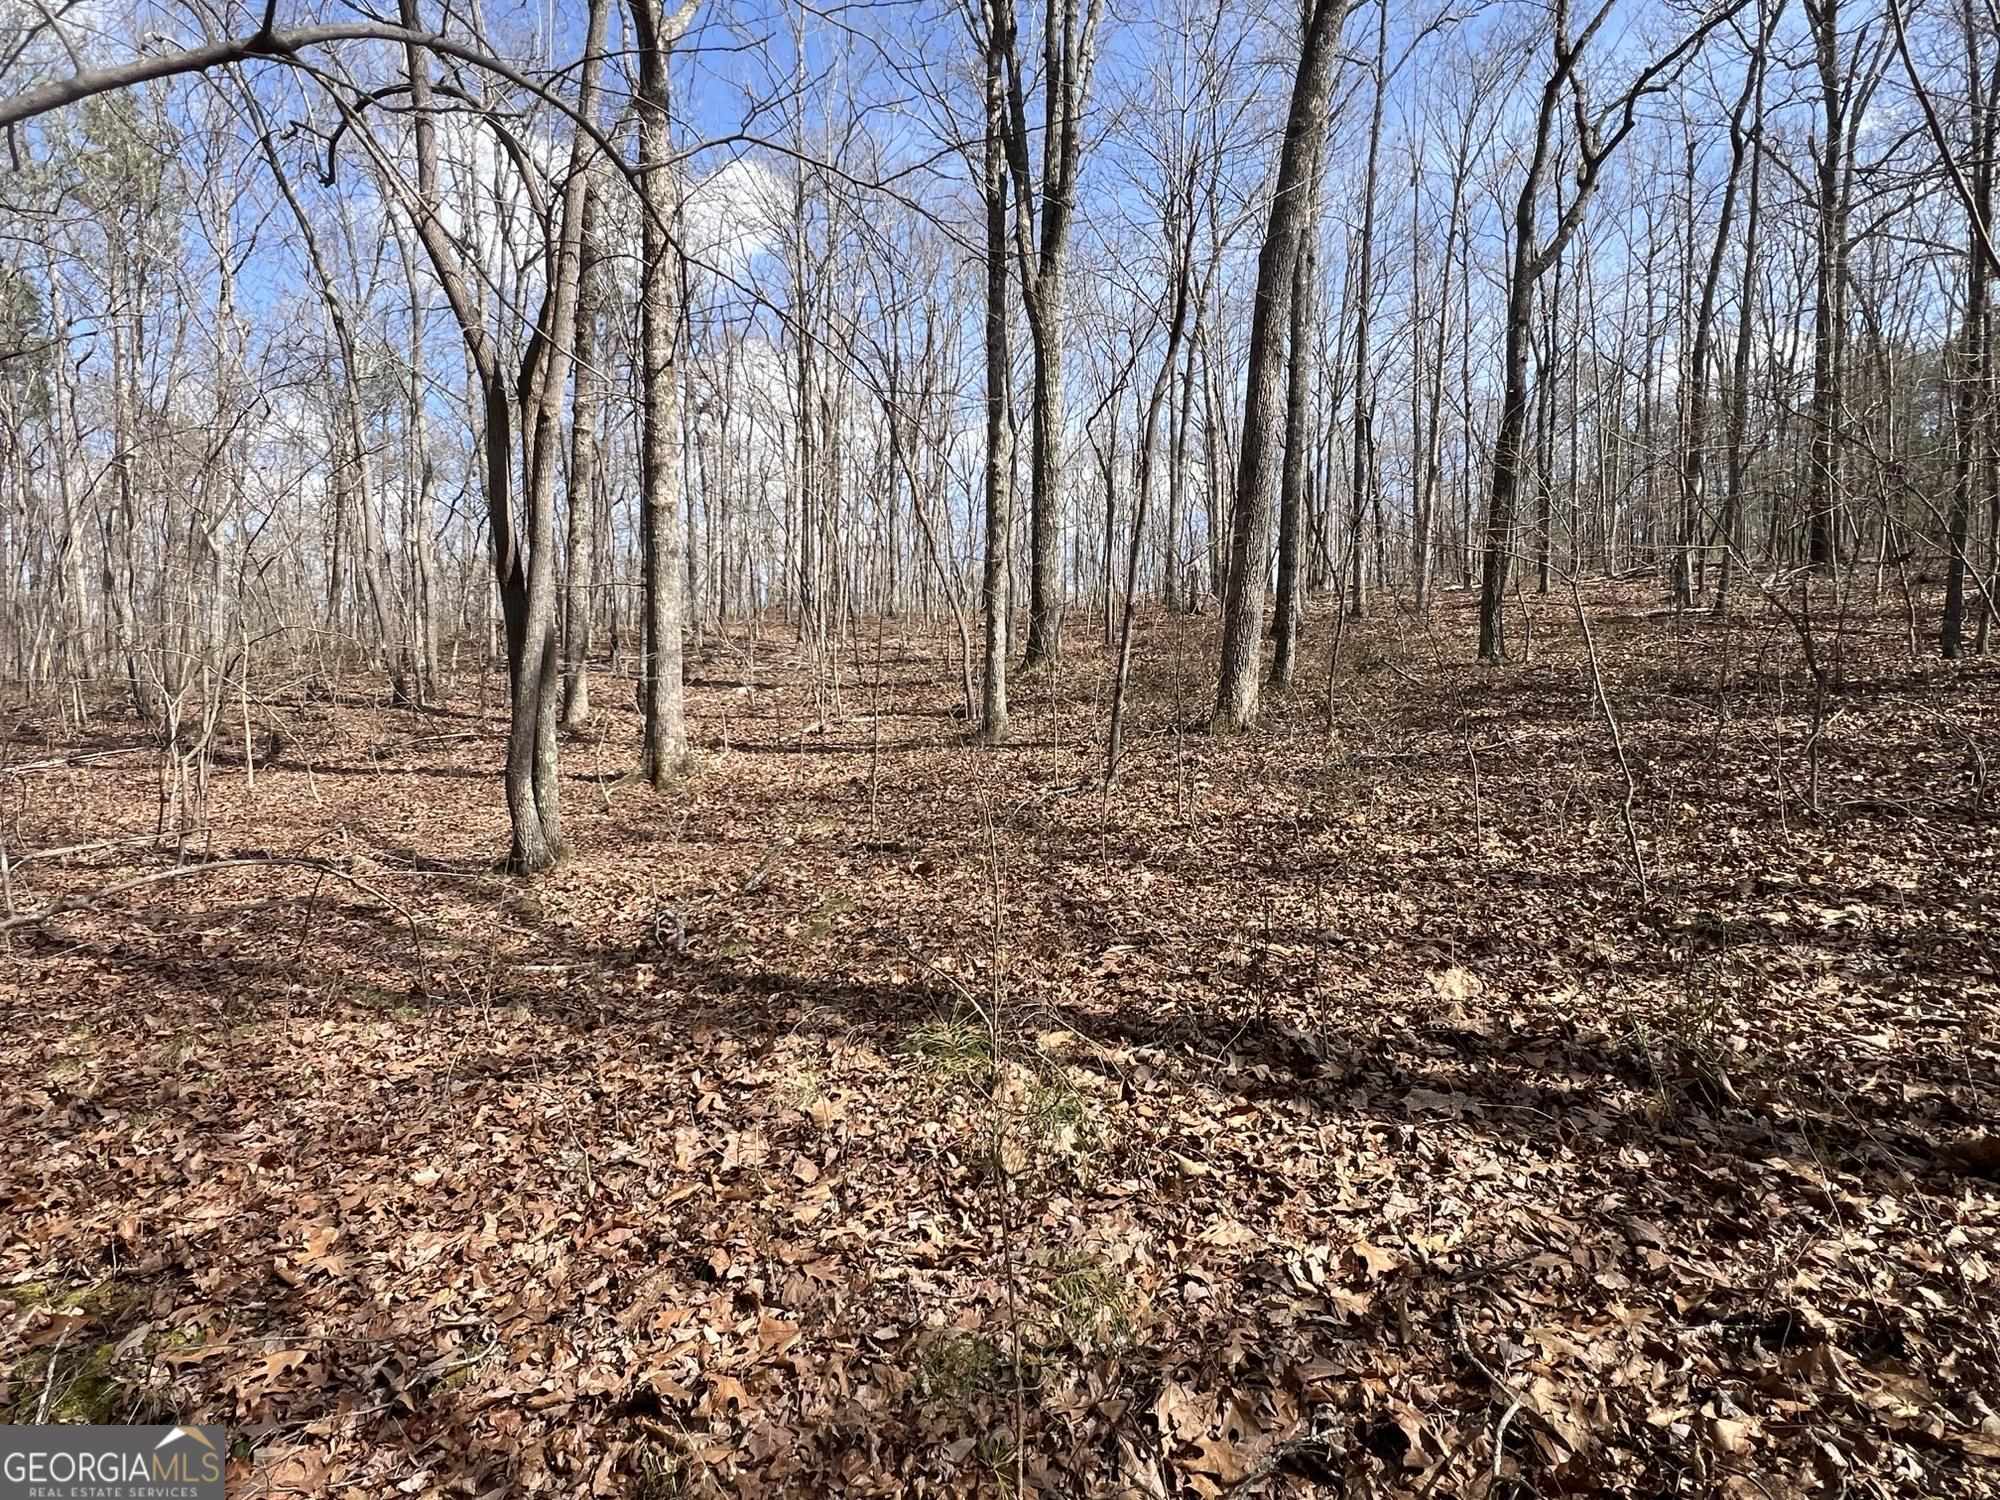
(879, 1115)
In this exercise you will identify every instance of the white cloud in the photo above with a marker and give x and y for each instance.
(731, 216)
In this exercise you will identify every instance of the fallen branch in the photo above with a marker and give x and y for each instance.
(65, 850)
(179, 872)
(86, 758)
(1617, 742)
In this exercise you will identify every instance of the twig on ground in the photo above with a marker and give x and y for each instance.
(323, 867)
(49, 1375)
(1617, 742)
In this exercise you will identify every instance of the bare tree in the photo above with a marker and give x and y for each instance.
(1044, 207)
(1257, 464)
(665, 743)
(586, 399)
(1731, 524)
(1599, 132)
(1694, 435)
(999, 465)
(1362, 456)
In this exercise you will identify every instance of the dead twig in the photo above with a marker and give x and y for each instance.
(1617, 742)
(64, 851)
(324, 868)
(49, 1375)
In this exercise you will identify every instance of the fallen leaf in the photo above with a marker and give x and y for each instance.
(1226, 1233)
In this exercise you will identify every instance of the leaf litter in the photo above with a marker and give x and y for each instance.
(1323, 1118)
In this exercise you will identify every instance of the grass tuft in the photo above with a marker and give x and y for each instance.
(951, 1050)
(956, 1366)
(1091, 1303)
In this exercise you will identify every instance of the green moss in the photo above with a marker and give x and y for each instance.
(78, 1370)
(81, 1385)
(1060, 1118)
(176, 1340)
(99, 1299)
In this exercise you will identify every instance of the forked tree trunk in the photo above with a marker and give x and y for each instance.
(1731, 527)
(1263, 408)
(524, 567)
(1528, 261)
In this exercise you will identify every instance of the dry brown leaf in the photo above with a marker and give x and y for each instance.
(1219, 1458)
(1377, 1260)
(1226, 1233)
(1457, 984)
(774, 1335)
(1182, 1415)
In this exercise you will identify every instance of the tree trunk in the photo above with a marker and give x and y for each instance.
(1545, 402)
(1829, 297)
(1972, 375)
(1694, 456)
(1292, 493)
(664, 746)
(1739, 394)
(1284, 237)
(1163, 383)
(1069, 39)
(999, 431)
(585, 399)
(1499, 543)
(1044, 533)
(1526, 264)
(1364, 289)
(525, 574)
(1179, 591)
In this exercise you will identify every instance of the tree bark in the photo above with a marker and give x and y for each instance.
(665, 732)
(1284, 236)
(1973, 379)
(1829, 294)
(1364, 289)
(586, 396)
(999, 431)
(1298, 402)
